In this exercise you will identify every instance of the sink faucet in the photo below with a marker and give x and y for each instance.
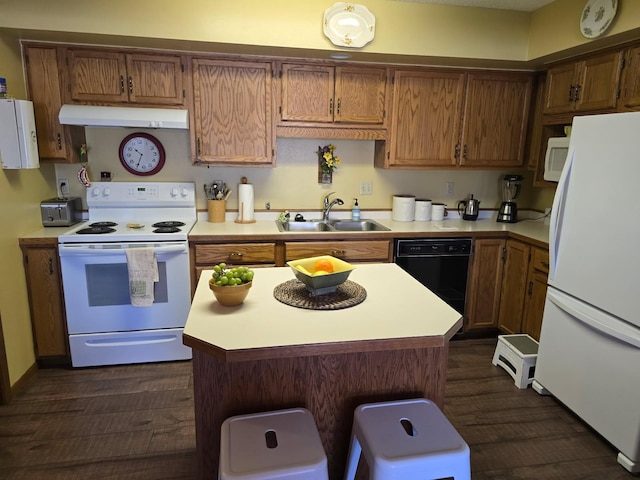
(326, 208)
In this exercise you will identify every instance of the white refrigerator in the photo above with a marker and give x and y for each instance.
(589, 352)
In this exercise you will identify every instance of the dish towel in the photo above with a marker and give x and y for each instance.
(143, 273)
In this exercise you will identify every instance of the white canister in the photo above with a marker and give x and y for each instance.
(423, 210)
(437, 211)
(404, 208)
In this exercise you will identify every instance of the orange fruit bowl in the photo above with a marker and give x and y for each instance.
(230, 296)
(321, 275)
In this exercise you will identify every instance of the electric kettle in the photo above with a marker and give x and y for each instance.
(468, 208)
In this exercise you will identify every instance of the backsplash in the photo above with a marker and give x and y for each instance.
(293, 183)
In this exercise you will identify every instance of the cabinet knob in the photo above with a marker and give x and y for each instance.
(235, 255)
(571, 90)
(51, 266)
(130, 85)
(576, 94)
(331, 106)
(121, 84)
(59, 141)
(338, 111)
(337, 253)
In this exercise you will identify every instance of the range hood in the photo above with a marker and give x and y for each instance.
(95, 116)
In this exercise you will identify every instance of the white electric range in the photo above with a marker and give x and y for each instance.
(104, 327)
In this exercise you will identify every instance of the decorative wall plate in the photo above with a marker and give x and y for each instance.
(349, 25)
(597, 17)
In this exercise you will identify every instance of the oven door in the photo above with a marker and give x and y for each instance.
(95, 281)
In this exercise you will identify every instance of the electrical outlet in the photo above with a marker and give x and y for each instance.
(366, 188)
(451, 188)
(63, 187)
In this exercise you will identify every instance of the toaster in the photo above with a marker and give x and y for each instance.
(61, 212)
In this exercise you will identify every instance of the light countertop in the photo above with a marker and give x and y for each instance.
(399, 312)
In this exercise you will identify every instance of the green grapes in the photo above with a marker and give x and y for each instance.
(230, 277)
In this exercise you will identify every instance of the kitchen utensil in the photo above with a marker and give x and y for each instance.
(511, 185)
(468, 208)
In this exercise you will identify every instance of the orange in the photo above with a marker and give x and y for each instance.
(325, 265)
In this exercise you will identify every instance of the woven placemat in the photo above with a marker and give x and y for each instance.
(294, 293)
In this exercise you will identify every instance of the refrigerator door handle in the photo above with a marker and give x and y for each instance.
(589, 316)
(557, 213)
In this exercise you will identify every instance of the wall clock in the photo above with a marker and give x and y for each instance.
(142, 154)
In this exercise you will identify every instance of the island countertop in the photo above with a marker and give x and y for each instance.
(398, 312)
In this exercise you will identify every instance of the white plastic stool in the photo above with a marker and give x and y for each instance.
(517, 354)
(272, 445)
(407, 440)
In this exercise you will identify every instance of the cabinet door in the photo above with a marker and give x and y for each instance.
(232, 114)
(597, 83)
(98, 76)
(560, 87)
(45, 299)
(307, 93)
(514, 281)
(56, 143)
(536, 292)
(360, 95)
(485, 279)
(631, 84)
(154, 79)
(425, 119)
(495, 120)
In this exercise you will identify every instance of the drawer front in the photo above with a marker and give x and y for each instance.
(540, 260)
(351, 251)
(235, 253)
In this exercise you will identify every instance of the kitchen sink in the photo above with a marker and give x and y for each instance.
(304, 226)
(357, 226)
(331, 226)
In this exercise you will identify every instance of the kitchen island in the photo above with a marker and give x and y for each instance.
(266, 355)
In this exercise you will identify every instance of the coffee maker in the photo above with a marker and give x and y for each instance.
(511, 185)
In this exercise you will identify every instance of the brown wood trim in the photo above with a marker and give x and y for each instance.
(5, 386)
(309, 350)
(39, 241)
(338, 131)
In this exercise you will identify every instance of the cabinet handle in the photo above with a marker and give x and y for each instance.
(456, 154)
(331, 107)
(121, 84)
(571, 92)
(337, 253)
(464, 152)
(545, 264)
(338, 111)
(51, 266)
(130, 85)
(576, 95)
(530, 288)
(59, 142)
(235, 255)
(198, 146)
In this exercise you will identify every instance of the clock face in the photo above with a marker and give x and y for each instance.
(142, 154)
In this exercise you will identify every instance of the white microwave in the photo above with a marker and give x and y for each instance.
(554, 159)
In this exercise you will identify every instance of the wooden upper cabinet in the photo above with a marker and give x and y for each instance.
(630, 90)
(327, 94)
(587, 85)
(98, 76)
(495, 120)
(425, 118)
(232, 115)
(56, 143)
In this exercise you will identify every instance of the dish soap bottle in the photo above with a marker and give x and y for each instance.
(355, 211)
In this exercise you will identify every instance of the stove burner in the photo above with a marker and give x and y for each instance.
(95, 230)
(166, 230)
(103, 224)
(170, 223)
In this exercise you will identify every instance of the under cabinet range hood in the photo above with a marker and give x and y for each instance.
(96, 116)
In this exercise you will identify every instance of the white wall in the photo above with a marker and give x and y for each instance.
(292, 184)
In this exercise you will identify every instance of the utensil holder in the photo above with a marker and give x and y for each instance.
(217, 210)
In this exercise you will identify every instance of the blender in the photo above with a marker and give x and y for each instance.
(511, 185)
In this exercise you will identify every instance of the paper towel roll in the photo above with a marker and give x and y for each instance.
(245, 203)
(423, 210)
(404, 208)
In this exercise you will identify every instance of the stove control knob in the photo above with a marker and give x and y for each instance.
(106, 192)
(96, 191)
(184, 192)
(174, 192)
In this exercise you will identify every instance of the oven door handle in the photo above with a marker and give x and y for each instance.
(67, 250)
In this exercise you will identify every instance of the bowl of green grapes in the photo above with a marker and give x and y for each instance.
(230, 285)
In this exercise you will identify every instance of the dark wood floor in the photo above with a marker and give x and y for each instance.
(136, 422)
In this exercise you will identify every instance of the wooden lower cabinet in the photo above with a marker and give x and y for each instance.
(347, 250)
(485, 281)
(524, 289)
(44, 287)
